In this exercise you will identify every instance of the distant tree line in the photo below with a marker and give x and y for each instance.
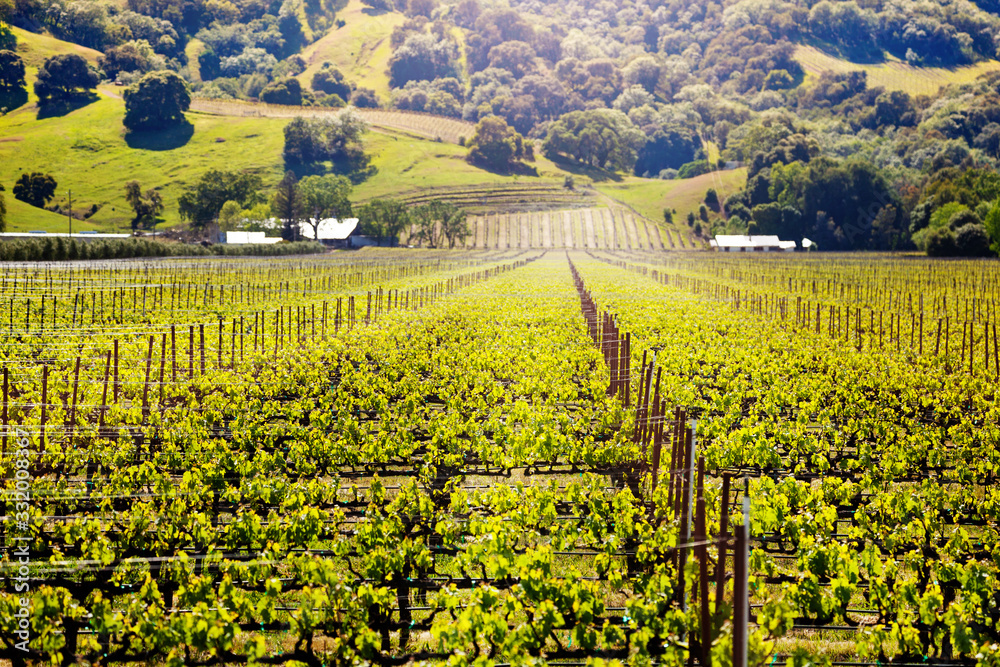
(57, 249)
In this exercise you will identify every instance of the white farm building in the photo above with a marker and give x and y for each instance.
(739, 243)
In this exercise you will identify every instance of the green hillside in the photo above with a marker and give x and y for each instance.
(26, 218)
(86, 151)
(360, 49)
(35, 48)
(650, 196)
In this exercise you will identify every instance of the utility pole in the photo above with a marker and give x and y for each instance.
(70, 214)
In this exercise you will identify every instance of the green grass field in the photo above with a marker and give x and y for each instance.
(30, 218)
(894, 74)
(650, 196)
(86, 152)
(406, 163)
(34, 49)
(360, 49)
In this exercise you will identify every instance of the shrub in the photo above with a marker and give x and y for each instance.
(692, 169)
(971, 240)
(284, 91)
(941, 243)
(58, 249)
(365, 98)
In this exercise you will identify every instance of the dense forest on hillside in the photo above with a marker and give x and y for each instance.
(660, 88)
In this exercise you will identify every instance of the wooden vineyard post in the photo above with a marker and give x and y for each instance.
(720, 567)
(173, 352)
(641, 402)
(627, 361)
(201, 340)
(921, 350)
(104, 397)
(219, 366)
(163, 365)
(190, 351)
(947, 333)
(937, 342)
(660, 416)
(652, 418)
(701, 553)
(986, 347)
(613, 345)
(76, 394)
(5, 416)
(145, 385)
(676, 458)
(685, 514)
(741, 598)
(972, 347)
(996, 352)
(44, 406)
(857, 328)
(116, 372)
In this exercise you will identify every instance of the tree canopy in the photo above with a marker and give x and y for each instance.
(201, 203)
(156, 102)
(603, 138)
(384, 218)
(63, 77)
(496, 145)
(330, 80)
(287, 205)
(439, 222)
(287, 91)
(11, 70)
(146, 206)
(333, 138)
(326, 196)
(35, 188)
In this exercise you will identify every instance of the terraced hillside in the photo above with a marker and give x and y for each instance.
(503, 196)
(590, 228)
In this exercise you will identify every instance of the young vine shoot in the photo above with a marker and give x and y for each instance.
(504, 457)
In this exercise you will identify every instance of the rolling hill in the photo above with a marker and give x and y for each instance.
(893, 74)
(88, 153)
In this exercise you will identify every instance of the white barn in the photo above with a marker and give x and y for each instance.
(741, 243)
